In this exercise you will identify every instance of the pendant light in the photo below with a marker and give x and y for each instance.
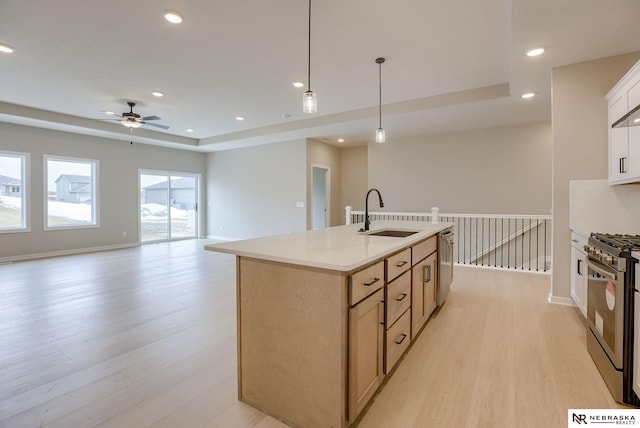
(380, 138)
(309, 99)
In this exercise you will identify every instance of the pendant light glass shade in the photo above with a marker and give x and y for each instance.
(380, 135)
(309, 102)
(309, 98)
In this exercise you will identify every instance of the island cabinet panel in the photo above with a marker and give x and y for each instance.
(365, 282)
(422, 249)
(292, 341)
(398, 298)
(398, 263)
(366, 351)
(423, 284)
(398, 337)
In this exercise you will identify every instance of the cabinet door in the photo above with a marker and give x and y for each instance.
(578, 279)
(366, 351)
(633, 137)
(423, 292)
(618, 140)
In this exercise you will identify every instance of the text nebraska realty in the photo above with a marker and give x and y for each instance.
(611, 419)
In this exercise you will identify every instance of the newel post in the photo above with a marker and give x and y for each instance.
(348, 209)
(434, 215)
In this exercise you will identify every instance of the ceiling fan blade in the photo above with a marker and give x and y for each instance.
(151, 118)
(157, 125)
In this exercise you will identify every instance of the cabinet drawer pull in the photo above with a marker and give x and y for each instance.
(404, 336)
(373, 281)
(402, 263)
(623, 165)
(427, 273)
(579, 270)
(401, 297)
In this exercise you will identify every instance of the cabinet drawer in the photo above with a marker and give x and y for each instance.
(397, 340)
(365, 282)
(398, 298)
(423, 249)
(398, 263)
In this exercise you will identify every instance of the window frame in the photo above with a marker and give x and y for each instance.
(95, 199)
(25, 211)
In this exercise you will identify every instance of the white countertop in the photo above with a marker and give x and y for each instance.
(340, 248)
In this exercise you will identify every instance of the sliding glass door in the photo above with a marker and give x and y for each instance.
(168, 206)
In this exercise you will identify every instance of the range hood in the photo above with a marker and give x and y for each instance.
(630, 119)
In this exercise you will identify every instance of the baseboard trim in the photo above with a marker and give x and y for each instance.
(565, 301)
(34, 256)
(223, 238)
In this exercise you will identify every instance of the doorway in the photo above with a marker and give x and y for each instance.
(320, 191)
(168, 206)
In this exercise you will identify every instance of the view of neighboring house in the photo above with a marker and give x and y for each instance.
(73, 188)
(182, 194)
(10, 186)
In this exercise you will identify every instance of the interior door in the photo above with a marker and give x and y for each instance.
(168, 206)
(319, 192)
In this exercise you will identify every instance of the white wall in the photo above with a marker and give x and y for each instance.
(253, 191)
(579, 117)
(325, 155)
(503, 170)
(354, 178)
(595, 206)
(119, 162)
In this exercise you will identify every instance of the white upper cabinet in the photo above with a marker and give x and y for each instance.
(624, 131)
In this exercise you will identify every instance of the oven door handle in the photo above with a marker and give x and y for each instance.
(600, 270)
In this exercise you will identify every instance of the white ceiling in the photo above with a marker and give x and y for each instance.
(451, 65)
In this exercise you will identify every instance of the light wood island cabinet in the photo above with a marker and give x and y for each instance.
(323, 317)
(423, 284)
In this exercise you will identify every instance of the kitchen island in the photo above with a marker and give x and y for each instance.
(324, 315)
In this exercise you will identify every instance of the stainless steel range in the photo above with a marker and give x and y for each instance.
(610, 311)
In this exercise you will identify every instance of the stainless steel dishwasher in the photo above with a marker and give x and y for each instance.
(445, 268)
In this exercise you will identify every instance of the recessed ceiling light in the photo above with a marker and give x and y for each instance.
(535, 52)
(6, 48)
(528, 95)
(298, 84)
(172, 16)
(239, 118)
(110, 113)
(189, 130)
(157, 94)
(340, 140)
(636, 120)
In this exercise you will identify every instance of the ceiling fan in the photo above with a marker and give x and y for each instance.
(134, 120)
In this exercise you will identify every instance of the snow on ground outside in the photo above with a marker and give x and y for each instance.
(82, 212)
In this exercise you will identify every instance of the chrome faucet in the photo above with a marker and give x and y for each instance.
(366, 209)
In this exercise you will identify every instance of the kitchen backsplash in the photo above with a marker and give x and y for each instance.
(595, 206)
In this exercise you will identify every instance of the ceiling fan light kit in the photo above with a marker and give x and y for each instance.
(131, 123)
(130, 119)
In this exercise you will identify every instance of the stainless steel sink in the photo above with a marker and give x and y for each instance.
(393, 233)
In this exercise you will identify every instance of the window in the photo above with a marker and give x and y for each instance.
(71, 199)
(14, 191)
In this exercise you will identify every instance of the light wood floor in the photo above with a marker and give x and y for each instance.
(146, 337)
